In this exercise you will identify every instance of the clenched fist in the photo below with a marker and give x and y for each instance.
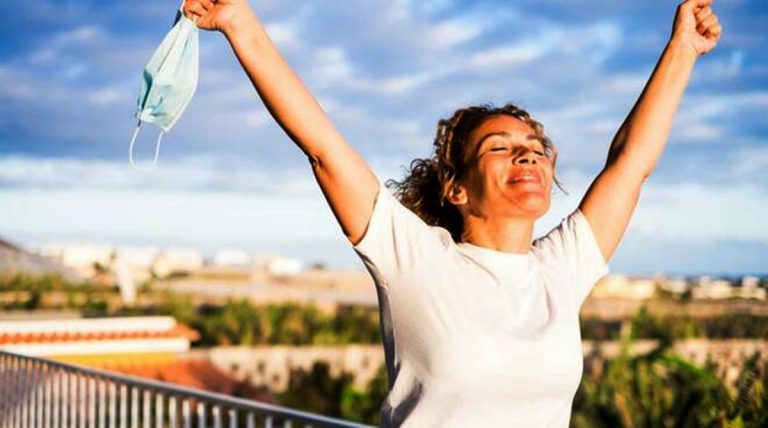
(217, 15)
(696, 26)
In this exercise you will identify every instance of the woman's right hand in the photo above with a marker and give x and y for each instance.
(217, 15)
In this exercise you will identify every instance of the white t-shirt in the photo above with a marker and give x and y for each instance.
(474, 336)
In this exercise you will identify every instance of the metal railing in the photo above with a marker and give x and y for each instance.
(36, 392)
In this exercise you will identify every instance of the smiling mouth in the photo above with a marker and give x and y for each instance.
(525, 178)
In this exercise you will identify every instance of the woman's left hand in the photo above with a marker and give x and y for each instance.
(696, 27)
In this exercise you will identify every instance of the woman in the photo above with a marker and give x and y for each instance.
(480, 322)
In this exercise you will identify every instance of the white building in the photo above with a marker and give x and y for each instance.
(675, 285)
(137, 257)
(96, 336)
(620, 286)
(232, 258)
(709, 288)
(749, 281)
(172, 260)
(279, 266)
(83, 258)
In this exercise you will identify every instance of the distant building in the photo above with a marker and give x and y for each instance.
(178, 260)
(232, 258)
(150, 347)
(279, 266)
(84, 259)
(675, 285)
(710, 288)
(749, 281)
(620, 286)
(95, 336)
(13, 258)
(137, 257)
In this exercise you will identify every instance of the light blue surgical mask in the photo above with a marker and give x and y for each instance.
(168, 82)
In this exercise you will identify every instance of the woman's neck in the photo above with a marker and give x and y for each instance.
(508, 235)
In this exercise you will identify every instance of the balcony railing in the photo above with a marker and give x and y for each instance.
(36, 392)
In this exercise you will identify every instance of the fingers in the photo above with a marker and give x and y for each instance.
(194, 8)
(703, 13)
(695, 4)
(714, 32)
(710, 25)
(707, 22)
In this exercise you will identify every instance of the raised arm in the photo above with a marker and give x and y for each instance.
(611, 199)
(348, 183)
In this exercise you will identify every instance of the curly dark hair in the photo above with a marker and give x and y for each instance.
(426, 183)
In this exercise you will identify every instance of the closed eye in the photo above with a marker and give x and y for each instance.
(498, 149)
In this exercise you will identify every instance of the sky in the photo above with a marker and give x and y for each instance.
(385, 72)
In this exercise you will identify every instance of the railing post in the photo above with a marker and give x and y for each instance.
(64, 398)
(112, 404)
(172, 411)
(48, 396)
(4, 390)
(147, 409)
(37, 380)
(201, 422)
(232, 418)
(56, 392)
(92, 401)
(216, 413)
(102, 386)
(73, 411)
(135, 407)
(25, 397)
(83, 394)
(35, 392)
(123, 406)
(186, 413)
(159, 410)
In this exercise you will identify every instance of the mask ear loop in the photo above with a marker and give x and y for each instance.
(157, 149)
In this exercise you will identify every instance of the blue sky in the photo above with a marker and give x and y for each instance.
(385, 71)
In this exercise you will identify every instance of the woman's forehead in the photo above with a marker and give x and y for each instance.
(504, 126)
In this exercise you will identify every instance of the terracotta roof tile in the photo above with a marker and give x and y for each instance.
(17, 338)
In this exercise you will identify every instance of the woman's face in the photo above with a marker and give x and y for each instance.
(507, 171)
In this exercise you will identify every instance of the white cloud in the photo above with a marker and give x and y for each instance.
(172, 214)
(283, 34)
(190, 174)
(704, 118)
(751, 162)
(258, 119)
(596, 41)
(386, 72)
(698, 132)
(512, 54)
(81, 35)
(449, 33)
(696, 212)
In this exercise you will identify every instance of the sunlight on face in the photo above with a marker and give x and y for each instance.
(508, 172)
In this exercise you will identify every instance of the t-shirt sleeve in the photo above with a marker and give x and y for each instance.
(396, 239)
(573, 247)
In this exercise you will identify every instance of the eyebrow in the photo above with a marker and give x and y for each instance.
(507, 134)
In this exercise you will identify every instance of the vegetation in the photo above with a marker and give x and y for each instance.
(659, 389)
(240, 322)
(667, 328)
(317, 391)
(662, 390)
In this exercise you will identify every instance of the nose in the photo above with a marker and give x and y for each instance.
(525, 157)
